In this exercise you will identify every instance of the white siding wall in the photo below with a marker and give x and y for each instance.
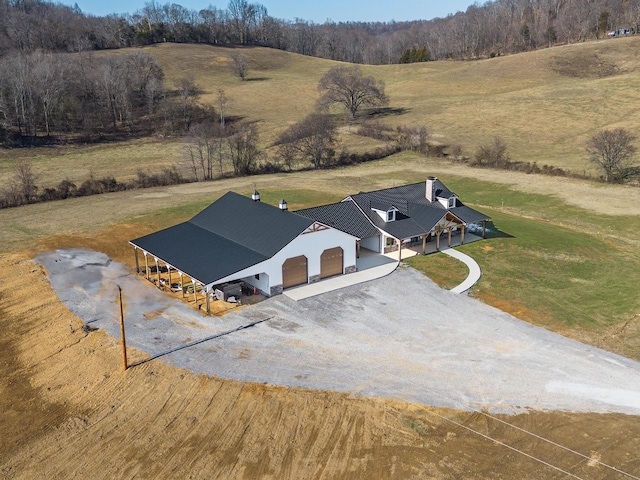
(310, 245)
(261, 283)
(372, 243)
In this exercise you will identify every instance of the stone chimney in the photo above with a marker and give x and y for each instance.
(255, 196)
(430, 193)
(283, 205)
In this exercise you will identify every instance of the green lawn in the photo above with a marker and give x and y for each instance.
(562, 265)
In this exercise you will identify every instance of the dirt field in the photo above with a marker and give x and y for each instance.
(69, 411)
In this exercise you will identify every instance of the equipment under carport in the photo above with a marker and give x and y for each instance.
(224, 291)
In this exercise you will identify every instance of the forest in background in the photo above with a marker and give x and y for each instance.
(493, 28)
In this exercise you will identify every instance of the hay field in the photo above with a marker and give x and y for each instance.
(543, 104)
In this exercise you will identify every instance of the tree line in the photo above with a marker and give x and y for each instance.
(493, 28)
(212, 145)
(42, 93)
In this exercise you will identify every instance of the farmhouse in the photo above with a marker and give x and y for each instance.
(241, 239)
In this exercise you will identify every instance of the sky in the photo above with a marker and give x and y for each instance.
(317, 11)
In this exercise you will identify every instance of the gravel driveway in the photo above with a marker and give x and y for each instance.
(397, 337)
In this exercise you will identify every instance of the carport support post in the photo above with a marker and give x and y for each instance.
(169, 268)
(424, 244)
(449, 237)
(124, 342)
(462, 235)
(135, 251)
(206, 293)
(146, 265)
(158, 271)
(195, 295)
(484, 226)
(399, 249)
(181, 284)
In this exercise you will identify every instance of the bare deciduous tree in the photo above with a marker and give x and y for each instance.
(48, 84)
(351, 89)
(23, 182)
(414, 139)
(312, 139)
(239, 65)
(189, 93)
(243, 147)
(493, 154)
(613, 151)
(204, 150)
(223, 103)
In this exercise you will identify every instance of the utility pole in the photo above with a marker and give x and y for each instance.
(124, 343)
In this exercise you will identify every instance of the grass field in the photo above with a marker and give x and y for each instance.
(543, 104)
(552, 261)
(570, 253)
(562, 253)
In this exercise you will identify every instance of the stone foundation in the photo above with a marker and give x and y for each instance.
(314, 278)
(350, 269)
(275, 290)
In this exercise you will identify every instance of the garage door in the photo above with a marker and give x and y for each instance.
(331, 262)
(294, 271)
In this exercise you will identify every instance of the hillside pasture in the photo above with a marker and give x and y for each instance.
(543, 104)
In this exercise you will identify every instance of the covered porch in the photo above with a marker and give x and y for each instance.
(408, 248)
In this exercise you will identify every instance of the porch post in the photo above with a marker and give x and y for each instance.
(438, 240)
(424, 244)
(357, 248)
(449, 237)
(135, 251)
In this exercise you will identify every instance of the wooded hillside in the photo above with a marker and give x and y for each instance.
(493, 28)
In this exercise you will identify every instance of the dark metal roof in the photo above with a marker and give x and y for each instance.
(343, 216)
(231, 234)
(197, 252)
(255, 225)
(425, 215)
(418, 214)
(468, 215)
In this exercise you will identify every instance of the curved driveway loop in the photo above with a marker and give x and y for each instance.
(400, 337)
(472, 265)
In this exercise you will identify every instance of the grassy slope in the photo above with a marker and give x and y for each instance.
(563, 266)
(544, 104)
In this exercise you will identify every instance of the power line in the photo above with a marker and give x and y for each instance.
(468, 407)
(509, 447)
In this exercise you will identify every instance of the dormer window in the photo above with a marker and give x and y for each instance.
(453, 201)
(386, 212)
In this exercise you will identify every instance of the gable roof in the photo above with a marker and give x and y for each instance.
(343, 216)
(256, 225)
(236, 233)
(418, 214)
